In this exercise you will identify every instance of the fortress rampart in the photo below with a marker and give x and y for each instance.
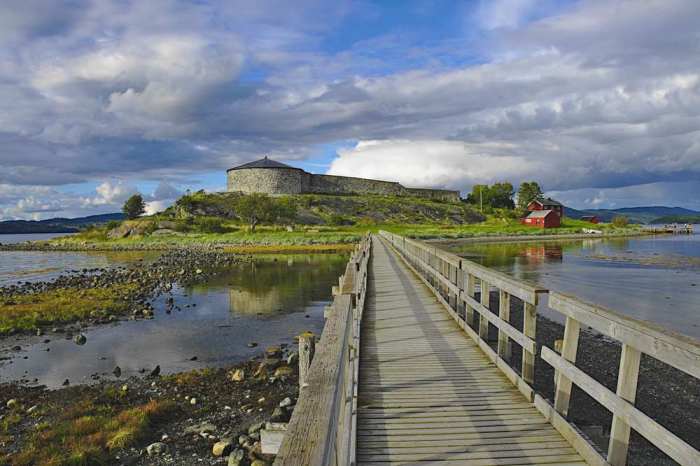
(274, 178)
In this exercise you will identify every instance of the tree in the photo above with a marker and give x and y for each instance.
(528, 192)
(134, 207)
(501, 196)
(257, 208)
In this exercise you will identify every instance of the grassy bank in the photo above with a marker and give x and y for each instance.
(271, 239)
(61, 305)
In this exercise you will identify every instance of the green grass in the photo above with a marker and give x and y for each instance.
(88, 432)
(307, 238)
(30, 311)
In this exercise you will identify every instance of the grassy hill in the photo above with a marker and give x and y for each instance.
(317, 209)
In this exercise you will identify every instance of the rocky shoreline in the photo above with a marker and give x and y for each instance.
(143, 283)
(215, 415)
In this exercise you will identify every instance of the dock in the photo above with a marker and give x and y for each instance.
(407, 371)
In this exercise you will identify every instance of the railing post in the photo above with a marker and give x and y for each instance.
(568, 352)
(627, 389)
(504, 349)
(471, 287)
(484, 297)
(307, 347)
(529, 330)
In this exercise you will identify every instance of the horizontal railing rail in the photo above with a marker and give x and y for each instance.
(322, 428)
(454, 280)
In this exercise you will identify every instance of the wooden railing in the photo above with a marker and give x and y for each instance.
(322, 428)
(454, 281)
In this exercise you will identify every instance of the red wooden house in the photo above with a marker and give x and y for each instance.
(543, 219)
(546, 204)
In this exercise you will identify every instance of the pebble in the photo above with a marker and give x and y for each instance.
(32, 409)
(237, 375)
(222, 447)
(80, 339)
(11, 403)
(156, 448)
(193, 401)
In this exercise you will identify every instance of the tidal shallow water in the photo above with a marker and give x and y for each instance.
(267, 302)
(651, 278)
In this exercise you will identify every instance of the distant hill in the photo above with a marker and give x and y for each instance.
(692, 219)
(56, 225)
(649, 214)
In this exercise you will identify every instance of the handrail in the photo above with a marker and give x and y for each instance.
(322, 428)
(637, 337)
(454, 281)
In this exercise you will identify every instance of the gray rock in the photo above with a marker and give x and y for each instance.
(80, 339)
(200, 428)
(286, 402)
(156, 448)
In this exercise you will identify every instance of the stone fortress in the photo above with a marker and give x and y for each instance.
(275, 178)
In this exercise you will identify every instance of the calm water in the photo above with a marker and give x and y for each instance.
(267, 302)
(650, 278)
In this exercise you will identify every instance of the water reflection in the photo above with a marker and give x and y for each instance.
(652, 278)
(267, 302)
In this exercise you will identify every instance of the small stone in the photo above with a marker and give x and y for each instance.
(243, 440)
(125, 388)
(11, 403)
(79, 339)
(278, 415)
(117, 371)
(237, 375)
(222, 448)
(261, 399)
(236, 457)
(16, 348)
(283, 371)
(286, 402)
(193, 401)
(32, 409)
(66, 383)
(292, 358)
(201, 428)
(273, 351)
(156, 448)
(156, 371)
(164, 437)
(198, 271)
(252, 344)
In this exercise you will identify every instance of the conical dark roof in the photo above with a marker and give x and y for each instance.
(264, 163)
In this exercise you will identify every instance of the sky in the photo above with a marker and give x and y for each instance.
(597, 100)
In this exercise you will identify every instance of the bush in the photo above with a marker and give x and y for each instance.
(620, 221)
(112, 224)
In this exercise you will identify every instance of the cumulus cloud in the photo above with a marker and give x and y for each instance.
(590, 95)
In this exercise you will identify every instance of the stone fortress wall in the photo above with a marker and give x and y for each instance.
(290, 180)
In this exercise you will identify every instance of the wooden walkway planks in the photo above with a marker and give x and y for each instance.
(428, 395)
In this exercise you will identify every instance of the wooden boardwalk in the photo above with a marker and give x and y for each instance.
(427, 393)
